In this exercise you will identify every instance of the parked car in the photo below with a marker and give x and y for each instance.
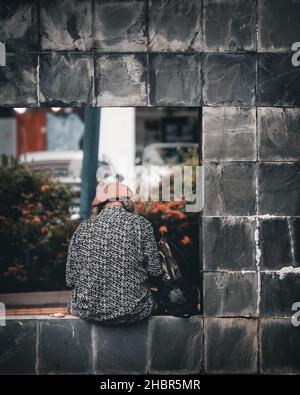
(165, 155)
(160, 154)
(65, 166)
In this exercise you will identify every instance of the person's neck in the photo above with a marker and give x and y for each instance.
(114, 203)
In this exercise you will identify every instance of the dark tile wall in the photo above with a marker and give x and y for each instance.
(234, 59)
(162, 345)
(197, 52)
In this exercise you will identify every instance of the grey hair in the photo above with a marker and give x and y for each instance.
(127, 204)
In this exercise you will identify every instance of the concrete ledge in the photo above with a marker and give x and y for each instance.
(46, 345)
(161, 345)
(36, 299)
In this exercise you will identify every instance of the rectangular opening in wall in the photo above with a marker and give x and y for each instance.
(41, 176)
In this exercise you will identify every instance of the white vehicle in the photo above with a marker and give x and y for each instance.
(65, 166)
(165, 155)
(162, 154)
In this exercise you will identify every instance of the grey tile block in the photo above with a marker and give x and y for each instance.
(279, 293)
(279, 188)
(229, 133)
(18, 25)
(65, 347)
(121, 80)
(175, 345)
(175, 26)
(18, 80)
(230, 345)
(230, 294)
(66, 79)
(229, 189)
(280, 344)
(120, 26)
(66, 25)
(278, 81)
(175, 79)
(228, 243)
(229, 25)
(121, 349)
(18, 347)
(229, 79)
(275, 243)
(278, 25)
(279, 133)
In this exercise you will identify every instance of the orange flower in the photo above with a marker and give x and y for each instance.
(45, 188)
(186, 240)
(36, 219)
(44, 229)
(175, 213)
(163, 229)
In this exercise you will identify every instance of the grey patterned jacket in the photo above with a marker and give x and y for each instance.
(110, 260)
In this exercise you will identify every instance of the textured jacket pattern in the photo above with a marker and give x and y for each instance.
(110, 260)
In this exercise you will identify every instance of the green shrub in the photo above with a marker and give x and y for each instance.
(35, 229)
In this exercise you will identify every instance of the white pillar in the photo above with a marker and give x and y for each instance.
(117, 139)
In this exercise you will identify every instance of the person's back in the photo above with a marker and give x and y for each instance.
(110, 260)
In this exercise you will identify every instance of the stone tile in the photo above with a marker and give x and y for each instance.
(18, 80)
(229, 133)
(18, 347)
(65, 347)
(278, 81)
(279, 293)
(175, 79)
(121, 349)
(279, 188)
(228, 243)
(175, 345)
(66, 25)
(229, 25)
(275, 243)
(66, 79)
(229, 189)
(229, 79)
(230, 294)
(230, 345)
(175, 26)
(280, 344)
(278, 25)
(121, 80)
(18, 25)
(279, 133)
(120, 26)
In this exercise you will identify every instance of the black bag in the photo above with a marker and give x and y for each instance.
(175, 295)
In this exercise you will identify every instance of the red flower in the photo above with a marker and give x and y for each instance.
(36, 219)
(25, 212)
(163, 229)
(45, 188)
(186, 240)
